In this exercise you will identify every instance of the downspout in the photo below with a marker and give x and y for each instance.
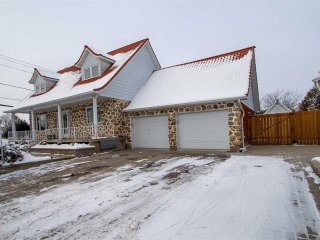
(243, 149)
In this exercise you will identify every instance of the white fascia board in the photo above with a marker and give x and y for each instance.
(67, 100)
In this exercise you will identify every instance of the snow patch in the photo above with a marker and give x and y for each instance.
(64, 146)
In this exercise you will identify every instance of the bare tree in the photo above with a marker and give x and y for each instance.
(288, 97)
(5, 120)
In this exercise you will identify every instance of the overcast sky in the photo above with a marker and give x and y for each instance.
(52, 34)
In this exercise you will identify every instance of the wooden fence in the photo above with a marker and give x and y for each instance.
(285, 129)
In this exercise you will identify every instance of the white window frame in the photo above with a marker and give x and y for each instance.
(38, 123)
(90, 67)
(40, 87)
(98, 114)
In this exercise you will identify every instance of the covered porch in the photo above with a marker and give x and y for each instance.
(81, 120)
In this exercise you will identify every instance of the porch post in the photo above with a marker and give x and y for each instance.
(13, 122)
(59, 122)
(33, 126)
(95, 115)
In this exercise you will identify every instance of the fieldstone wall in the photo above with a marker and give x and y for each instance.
(112, 121)
(235, 129)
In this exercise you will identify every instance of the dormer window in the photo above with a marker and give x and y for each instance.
(40, 87)
(91, 72)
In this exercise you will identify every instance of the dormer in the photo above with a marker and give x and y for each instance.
(93, 62)
(43, 80)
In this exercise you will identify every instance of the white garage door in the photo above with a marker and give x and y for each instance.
(205, 130)
(150, 132)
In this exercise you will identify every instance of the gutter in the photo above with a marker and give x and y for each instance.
(243, 149)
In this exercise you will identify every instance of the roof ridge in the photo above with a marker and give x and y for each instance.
(213, 57)
(113, 52)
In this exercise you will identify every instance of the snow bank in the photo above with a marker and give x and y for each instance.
(64, 146)
(317, 159)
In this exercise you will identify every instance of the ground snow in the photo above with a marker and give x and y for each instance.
(64, 146)
(317, 159)
(245, 197)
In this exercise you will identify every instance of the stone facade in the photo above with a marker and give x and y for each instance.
(235, 120)
(114, 122)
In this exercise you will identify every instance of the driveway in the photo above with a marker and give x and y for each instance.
(262, 194)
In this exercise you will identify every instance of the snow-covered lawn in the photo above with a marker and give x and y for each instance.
(28, 158)
(244, 197)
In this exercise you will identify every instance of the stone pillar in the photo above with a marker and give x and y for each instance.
(59, 122)
(95, 116)
(172, 125)
(33, 126)
(13, 122)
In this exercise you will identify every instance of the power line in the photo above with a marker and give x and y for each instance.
(15, 60)
(5, 84)
(11, 99)
(14, 68)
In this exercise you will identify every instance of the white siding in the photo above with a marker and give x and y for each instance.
(48, 83)
(104, 66)
(132, 77)
(91, 60)
(253, 101)
(150, 132)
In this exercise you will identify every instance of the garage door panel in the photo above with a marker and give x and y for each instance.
(205, 130)
(150, 132)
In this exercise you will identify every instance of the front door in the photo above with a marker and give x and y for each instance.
(65, 124)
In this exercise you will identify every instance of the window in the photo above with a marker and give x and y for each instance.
(94, 71)
(40, 87)
(37, 88)
(87, 73)
(91, 72)
(90, 115)
(41, 122)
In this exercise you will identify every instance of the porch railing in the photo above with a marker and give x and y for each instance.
(84, 132)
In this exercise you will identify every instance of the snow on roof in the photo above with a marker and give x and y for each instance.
(45, 74)
(99, 52)
(278, 107)
(49, 74)
(69, 84)
(222, 77)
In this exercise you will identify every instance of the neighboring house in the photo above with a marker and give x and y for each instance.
(278, 107)
(125, 93)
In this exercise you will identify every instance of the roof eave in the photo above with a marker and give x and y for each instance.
(187, 103)
(49, 103)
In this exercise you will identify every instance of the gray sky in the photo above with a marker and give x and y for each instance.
(52, 34)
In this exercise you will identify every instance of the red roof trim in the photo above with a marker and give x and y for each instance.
(128, 48)
(38, 94)
(142, 43)
(69, 69)
(238, 54)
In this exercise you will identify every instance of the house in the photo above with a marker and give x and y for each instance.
(125, 94)
(278, 107)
